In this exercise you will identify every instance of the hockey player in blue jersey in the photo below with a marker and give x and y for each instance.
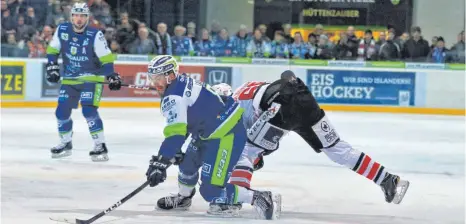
(86, 58)
(193, 108)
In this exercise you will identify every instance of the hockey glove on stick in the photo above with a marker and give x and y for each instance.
(115, 81)
(157, 171)
(53, 72)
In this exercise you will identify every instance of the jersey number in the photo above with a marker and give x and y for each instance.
(247, 92)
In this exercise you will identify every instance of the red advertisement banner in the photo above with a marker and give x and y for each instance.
(137, 75)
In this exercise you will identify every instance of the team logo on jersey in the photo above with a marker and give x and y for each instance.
(75, 39)
(188, 93)
(325, 127)
(73, 50)
(64, 36)
(86, 42)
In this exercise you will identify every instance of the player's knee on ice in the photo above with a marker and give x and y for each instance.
(211, 192)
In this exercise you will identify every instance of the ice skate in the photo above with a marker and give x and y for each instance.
(99, 154)
(176, 202)
(224, 210)
(394, 188)
(64, 149)
(267, 205)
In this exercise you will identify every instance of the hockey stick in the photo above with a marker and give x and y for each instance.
(108, 210)
(106, 83)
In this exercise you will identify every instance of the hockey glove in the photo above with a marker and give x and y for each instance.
(157, 171)
(115, 81)
(53, 72)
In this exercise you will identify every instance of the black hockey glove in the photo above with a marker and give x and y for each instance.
(157, 171)
(115, 81)
(53, 72)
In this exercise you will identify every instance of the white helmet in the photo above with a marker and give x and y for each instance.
(163, 65)
(223, 89)
(80, 8)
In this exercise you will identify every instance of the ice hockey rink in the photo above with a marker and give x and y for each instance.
(427, 150)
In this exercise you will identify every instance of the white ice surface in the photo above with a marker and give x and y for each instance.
(426, 150)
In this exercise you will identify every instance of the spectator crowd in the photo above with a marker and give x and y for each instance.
(27, 30)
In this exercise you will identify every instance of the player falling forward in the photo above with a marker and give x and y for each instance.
(192, 107)
(274, 109)
(86, 57)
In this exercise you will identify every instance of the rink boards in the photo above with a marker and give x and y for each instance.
(337, 85)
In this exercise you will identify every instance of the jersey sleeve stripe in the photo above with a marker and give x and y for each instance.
(175, 129)
(109, 58)
(52, 50)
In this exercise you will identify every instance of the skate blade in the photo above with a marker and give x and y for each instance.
(231, 213)
(99, 158)
(62, 154)
(277, 201)
(402, 187)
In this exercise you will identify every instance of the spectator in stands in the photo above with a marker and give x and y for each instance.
(143, 45)
(163, 39)
(353, 40)
(241, 40)
(54, 14)
(279, 46)
(204, 46)
(324, 51)
(17, 7)
(298, 48)
(382, 38)
(367, 50)
(458, 49)
(311, 46)
(342, 50)
(318, 30)
(433, 44)
(8, 22)
(258, 47)
(287, 31)
(125, 32)
(115, 47)
(390, 50)
(263, 29)
(31, 19)
(101, 11)
(439, 54)
(416, 48)
(224, 46)
(182, 45)
(37, 46)
(23, 31)
(47, 34)
(192, 31)
(12, 48)
(215, 29)
(109, 35)
(401, 40)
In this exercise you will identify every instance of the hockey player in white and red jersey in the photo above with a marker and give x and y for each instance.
(274, 109)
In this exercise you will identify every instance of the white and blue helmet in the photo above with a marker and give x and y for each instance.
(80, 8)
(222, 89)
(163, 65)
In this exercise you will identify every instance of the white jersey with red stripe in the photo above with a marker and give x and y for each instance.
(249, 96)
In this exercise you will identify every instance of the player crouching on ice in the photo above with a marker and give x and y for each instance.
(192, 107)
(86, 57)
(274, 109)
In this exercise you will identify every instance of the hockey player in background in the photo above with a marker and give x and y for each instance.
(86, 58)
(193, 108)
(274, 109)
